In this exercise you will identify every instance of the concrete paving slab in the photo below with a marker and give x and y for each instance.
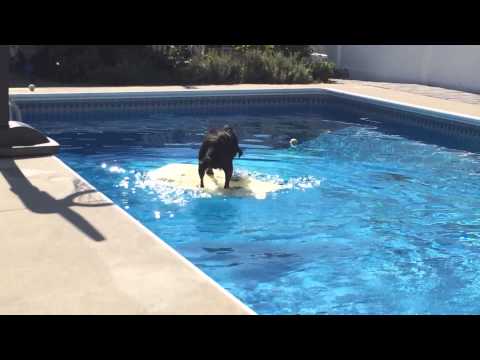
(30, 182)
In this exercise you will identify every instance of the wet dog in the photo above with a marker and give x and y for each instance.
(217, 152)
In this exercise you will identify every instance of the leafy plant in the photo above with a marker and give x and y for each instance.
(214, 67)
(174, 64)
(302, 51)
(274, 67)
(323, 70)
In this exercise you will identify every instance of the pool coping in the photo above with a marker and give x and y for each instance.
(423, 110)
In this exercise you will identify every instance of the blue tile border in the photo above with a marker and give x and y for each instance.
(418, 110)
(408, 117)
(212, 101)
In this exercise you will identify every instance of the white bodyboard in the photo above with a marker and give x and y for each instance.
(185, 176)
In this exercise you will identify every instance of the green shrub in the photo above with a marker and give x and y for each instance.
(243, 49)
(107, 64)
(215, 68)
(251, 66)
(274, 67)
(302, 51)
(323, 70)
(257, 68)
(174, 64)
(126, 74)
(341, 73)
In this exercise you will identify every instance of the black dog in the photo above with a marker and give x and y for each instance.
(217, 152)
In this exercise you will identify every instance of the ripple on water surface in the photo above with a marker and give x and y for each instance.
(368, 221)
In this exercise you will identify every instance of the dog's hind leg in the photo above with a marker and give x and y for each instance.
(228, 175)
(210, 171)
(201, 172)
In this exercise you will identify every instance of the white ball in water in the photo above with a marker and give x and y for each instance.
(31, 87)
(293, 142)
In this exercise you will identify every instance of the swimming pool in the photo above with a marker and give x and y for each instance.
(380, 214)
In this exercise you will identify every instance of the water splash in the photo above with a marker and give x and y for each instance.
(172, 195)
(166, 192)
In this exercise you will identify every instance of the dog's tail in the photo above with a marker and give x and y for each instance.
(208, 157)
(209, 153)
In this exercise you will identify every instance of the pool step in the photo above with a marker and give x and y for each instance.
(21, 140)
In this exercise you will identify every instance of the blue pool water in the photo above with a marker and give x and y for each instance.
(373, 220)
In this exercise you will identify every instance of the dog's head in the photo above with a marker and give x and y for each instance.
(214, 134)
(220, 144)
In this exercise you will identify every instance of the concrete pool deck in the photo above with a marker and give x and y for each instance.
(416, 95)
(66, 249)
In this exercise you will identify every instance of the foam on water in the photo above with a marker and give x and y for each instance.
(169, 193)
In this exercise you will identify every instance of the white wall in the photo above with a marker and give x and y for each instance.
(450, 66)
